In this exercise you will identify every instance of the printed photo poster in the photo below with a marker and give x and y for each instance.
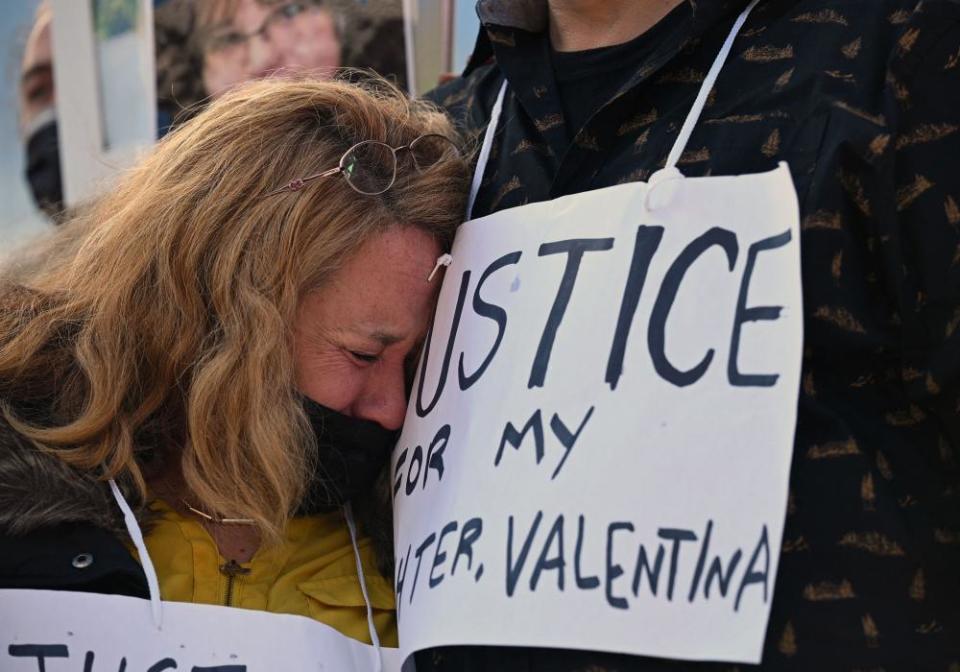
(123, 72)
(101, 109)
(29, 170)
(206, 47)
(597, 449)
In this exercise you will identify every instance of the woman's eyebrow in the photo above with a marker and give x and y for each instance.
(222, 27)
(384, 337)
(370, 333)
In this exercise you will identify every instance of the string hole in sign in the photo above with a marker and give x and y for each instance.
(662, 188)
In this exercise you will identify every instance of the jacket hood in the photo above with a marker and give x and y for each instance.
(39, 490)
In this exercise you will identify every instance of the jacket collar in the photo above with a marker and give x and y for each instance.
(532, 15)
(512, 34)
(528, 15)
(40, 491)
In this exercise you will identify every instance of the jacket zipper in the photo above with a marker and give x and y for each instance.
(232, 570)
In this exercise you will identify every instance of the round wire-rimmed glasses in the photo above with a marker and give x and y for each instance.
(370, 166)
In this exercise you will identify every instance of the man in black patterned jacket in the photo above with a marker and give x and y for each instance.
(862, 99)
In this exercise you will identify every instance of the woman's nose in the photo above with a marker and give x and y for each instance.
(384, 399)
(264, 56)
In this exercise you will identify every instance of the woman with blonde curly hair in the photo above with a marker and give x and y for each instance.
(226, 337)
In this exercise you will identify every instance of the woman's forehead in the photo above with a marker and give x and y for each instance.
(220, 14)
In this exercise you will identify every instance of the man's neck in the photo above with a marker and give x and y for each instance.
(578, 25)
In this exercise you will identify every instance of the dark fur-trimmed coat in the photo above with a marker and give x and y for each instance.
(52, 516)
(60, 529)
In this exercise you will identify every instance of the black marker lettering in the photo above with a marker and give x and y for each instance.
(419, 556)
(39, 651)
(716, 572)
(491, 311)
(701, 560)
(645, 246)
(556, 562)
(752, 576)
(515, 438)
(435, 454)
(424, 411)
(514, 568)
(614, 571)
(656, 333)
(575, 249)
(398, 473)
(89, 659)
(653, 575)
(468, 535)
(412, 479)
(754, 314)
(440, 554)
(583, 582)
(402, 566)
(677, 537)
(566, 437)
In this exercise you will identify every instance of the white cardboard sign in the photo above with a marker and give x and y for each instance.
(597, 459)
(597, 449)
(57, 631)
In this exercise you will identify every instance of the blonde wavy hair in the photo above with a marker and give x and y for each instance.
(159, 321)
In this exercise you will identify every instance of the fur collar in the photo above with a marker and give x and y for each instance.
(38, 490)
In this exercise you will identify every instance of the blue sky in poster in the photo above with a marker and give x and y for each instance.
(18, 217)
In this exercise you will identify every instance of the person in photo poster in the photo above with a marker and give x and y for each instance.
(29, 182)
(205, 47)
(862, 100)
(248, 39)
(229, 335)
(36, 102)
(116, 30)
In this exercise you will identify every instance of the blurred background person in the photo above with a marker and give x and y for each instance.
(202, 48)
(37, 115)
(205, 47)
(26, 97)
(250, 39)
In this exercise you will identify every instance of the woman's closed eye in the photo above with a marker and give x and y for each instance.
(364, 357)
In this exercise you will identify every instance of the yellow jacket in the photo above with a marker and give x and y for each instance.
(313, 573)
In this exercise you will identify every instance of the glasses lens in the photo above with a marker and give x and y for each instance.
(369, 167)
(428, 150)
(283, 18)
(224, 44)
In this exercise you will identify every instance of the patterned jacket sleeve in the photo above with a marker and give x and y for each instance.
(924, 84)
(468, 100)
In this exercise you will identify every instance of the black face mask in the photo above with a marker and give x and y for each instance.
(352, 453)
(43, 168)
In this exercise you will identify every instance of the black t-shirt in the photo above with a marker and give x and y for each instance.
(586, 80)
